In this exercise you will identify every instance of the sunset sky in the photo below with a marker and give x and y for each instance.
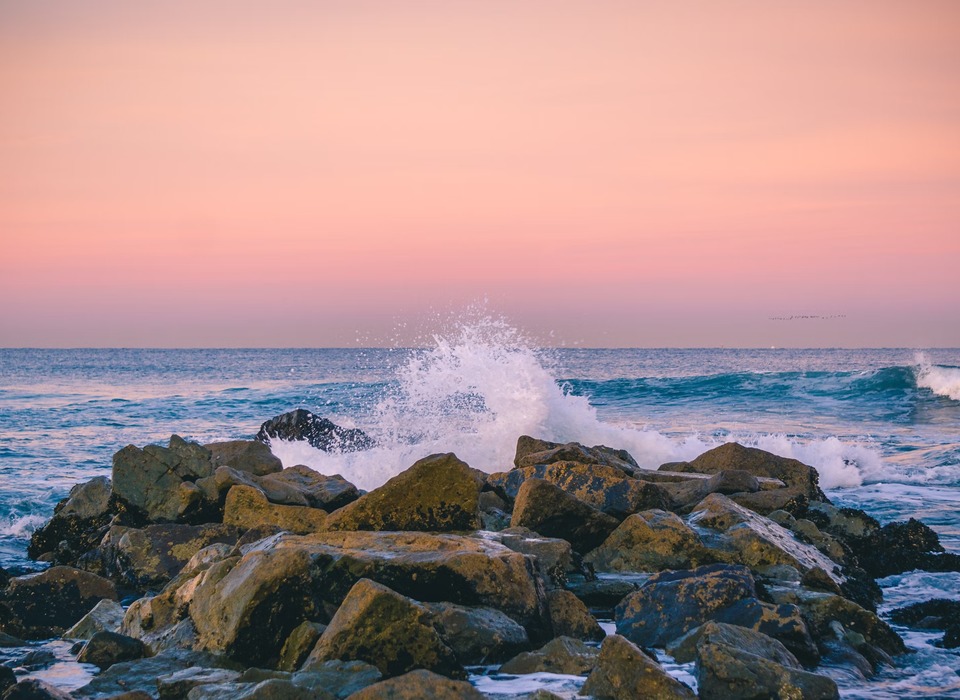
(312, 173)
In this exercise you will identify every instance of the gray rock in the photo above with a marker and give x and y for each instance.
(104, 649)
(726, 673)
(561, 655)
(624, 672)
(249, 456)
(106, 616)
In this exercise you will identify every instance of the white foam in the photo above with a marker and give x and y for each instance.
(22, 526)
(943, 381)
(482, 385)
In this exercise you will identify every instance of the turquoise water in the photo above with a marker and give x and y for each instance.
(882, 426)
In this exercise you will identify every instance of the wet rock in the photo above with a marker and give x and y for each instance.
(819, 580)
(561, 655)
(624, 672)
(899, 547)
(606, 488)
(784, 622)
(553, 555)
(757, 462)
(319, 490)
(439, 493)
(417, 685)
(684, 649)
(43, 605)
(35, 660)
(299, 645)
(793, 500)
(653, 540)
(531, 452)
(104, 649)
(158, 482)
(727, 673)
(478, 635)
(551, 511)
(688, 493)
(247, 507)
(8, 640)
(249, 456)
(78, 523)
(602, 593)
(340, 678)
(321, 433)
(33, 689)
(7, 678)
(933, 614)
(670, 604)
(177, 685)
(390, 631)
(570, 617)
(106, 616)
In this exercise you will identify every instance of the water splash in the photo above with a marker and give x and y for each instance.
(943, 381)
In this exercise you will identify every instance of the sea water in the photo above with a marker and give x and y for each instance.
(881, 426)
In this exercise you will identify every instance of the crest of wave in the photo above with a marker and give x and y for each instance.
(943, 381)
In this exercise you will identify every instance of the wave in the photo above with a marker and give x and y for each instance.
(941, 380)
(482, 385)
(22, 526)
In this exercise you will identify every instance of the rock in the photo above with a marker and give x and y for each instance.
(551, 511)
(251, 456)
(653, 540)
(319, 490)
(606, 488)
(390, 631)
(104, 649)
(339, 678)
(602, 593)
(7, 678)
(690, 492)
(684, 649)
(822, 609)
(205, 557)
(437, 494)
(553, 555)
(531, 451)
(247, 507)
(570, 617)
(299, 645)
(177, 685)
(670, 604)
(43, 605)
(216, 487)
(106, 616)
(142, 674)
(321, 433)
(33, 689)
(793, 500)
(807, 531)
(784, 622)
(158, 482)
(819, 580)
(478, 635)
(933, 614)
(561, 655)
(757, 462)
(7, 640)
(35, 660)
(726, 673)
(417, 685)
(624, 672)
(78, 522)
(899, 547)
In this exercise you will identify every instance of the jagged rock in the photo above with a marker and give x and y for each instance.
(247, 507)
(78, 522)
(848, 524)
(783, 622)
(8, 640)
(684, 649)
(757, 462)
(792, 499)
(104, 649)
(251, 456)
(439, 493)
(177, 685)
(551, 511)
(299, 645)
(43, 605)
(553, 555)
(106, 616)
(601, 593)
(417, 685)
(531, 451)
(478, 635)
(726, 673)
(819, 580)
(570, 617)
(653, 540)
(822, 609)
(271, 689)
(394, 633)
(670, 604)
(206, 556)
(933, 614)
(624, 672)
(158, 482)
(606, 488)
(340, 678)
(33, 689)
(684, 494)
(321, 433)
(899, 547)
(807, 531)
(561, 655)
(319, 490)
(35, 660)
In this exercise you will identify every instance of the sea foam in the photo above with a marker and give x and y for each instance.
(943, 381)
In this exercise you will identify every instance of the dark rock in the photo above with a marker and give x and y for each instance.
(270, 689)
(142, 674)
(77, 525)
(7, 678)
(439, 493)
(177, 685)
(107, 648)
(624, 672)
(319, 490)
(822, 609)
(299, 645)
(246, 507)
(8, 640)
(792, 500)
(553, 555)
(106, 616)
(321, 433)
(43, 605)
(551, 511)
(670, 604)
(531, 451)
(478, 635)
(36, 659)
(418, 685)
(933, 614)
(684, 649)
(727, 673)
(784, 623)
(390, 631)
(653, 540)
(34, 689)
(570, 617)
(688, 493)
(601, 594)
(251, 456)
(899, 547)
(561, 655)
(819, 580)
(339, 678)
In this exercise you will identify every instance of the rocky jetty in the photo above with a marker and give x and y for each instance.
(242, 579)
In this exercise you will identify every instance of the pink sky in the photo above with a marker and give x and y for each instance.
(614, 173)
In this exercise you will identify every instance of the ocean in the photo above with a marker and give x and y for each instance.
(882, 426)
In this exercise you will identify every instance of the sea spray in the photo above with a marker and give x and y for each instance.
(943, 381)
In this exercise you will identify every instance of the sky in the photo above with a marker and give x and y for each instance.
(603, 174)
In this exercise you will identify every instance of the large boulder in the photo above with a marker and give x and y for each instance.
(299, 645)
(319, 490)
(531, 451)
(104, 649)
(158, 482)
(733, 456)
(561, 655)
(783, 622)
(106, 616)
(340, 678)
(727, 673)
(624, 672)
(653, 540)
(684, 649)
(321, 433)
(439, 493)
(246, 507)
(390, 631)
(43, 605)
(939, 614)
(34, 689)
(687, 493)
(551, 511)
(553, 555)
(478, 635)
(249, 456)
(604, 487)
(78, 523)
(418, 685)
(571, 618)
